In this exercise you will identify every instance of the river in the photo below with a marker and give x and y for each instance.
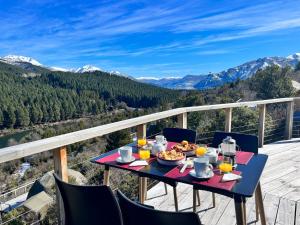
(4, 141)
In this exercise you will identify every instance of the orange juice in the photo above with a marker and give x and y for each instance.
(200, 151)
(225, 167)
(144, 154)
(142, 142)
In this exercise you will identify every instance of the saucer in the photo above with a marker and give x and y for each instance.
(210, 174)
(119, 160)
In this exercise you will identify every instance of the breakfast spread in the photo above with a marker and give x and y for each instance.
(170, 155)
(184, 146)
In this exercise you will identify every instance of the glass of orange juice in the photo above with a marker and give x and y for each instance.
(201, 150)
(144, 154)
(226, 165)
(142, 142)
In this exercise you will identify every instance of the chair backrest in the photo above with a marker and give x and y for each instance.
(246, 142)
(179, 134)
(92, 205)
(137, 214)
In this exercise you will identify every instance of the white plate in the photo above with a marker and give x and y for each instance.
(170, 162)
(119, 160)
(189, 153)
(207, 176)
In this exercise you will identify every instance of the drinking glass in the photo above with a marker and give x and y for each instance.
(201, 150)
(142, 142)
(144, 154)
(226, 165)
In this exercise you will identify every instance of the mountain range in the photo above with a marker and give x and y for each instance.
(200, 82)
(212, 80)
(23, 61)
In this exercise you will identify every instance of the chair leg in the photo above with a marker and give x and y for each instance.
(175, 199)
(194, 200)
(214, 200)
(166, 188)
(198, 198)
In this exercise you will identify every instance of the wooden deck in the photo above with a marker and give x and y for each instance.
(280, 185)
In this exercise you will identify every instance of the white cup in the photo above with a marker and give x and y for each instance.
(125, 153)
(202, 166)
(160, 139)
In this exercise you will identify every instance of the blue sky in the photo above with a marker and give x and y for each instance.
(150, 38)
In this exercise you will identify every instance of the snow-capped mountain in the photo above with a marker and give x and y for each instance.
(54, 68)
(16, 60)
(211, 80)
(88, 68)
(187, 82)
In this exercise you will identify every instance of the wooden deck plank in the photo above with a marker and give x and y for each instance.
(213, 216)
(250, 212)
(279, 182)
(286, 212)
(271, 204)
(297, 214)
(228, 216)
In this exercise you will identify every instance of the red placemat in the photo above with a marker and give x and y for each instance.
(171, 144)
(111, 160)
(241, 157)
(215, 181)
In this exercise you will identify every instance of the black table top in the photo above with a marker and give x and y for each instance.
(245, 187)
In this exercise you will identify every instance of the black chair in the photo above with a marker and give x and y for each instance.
(35, 189)
(136, 214)
(178, 135)
(92, 205)
(246, 143)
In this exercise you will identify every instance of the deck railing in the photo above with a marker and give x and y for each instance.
(57, 144)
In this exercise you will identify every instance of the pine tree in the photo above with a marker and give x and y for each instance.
(9, 117)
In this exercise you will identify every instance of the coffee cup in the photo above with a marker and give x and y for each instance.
(125, 153)
(202, 166)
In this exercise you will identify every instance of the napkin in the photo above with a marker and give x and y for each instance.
(139, 163)
(230, 177)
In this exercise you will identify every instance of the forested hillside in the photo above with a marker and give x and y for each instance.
(35, 95)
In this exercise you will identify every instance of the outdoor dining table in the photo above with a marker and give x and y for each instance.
(245, 188)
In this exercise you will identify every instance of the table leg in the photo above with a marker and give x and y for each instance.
(166, 188)
(239, 211)
(175, 199)
(244, 210)
(142, 189)
(145, 186)
(214, 200)
(194, 200)
(260, 204)
(198, 198)
(256, 208)
(106, 175)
